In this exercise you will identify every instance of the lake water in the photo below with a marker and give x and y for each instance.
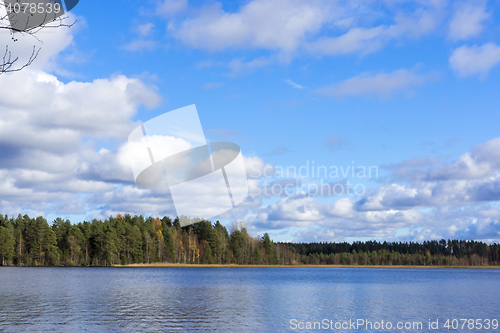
(244, 299)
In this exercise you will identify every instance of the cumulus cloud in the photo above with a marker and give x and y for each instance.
(382, 84)
(50, 132)
(468, 19)
(46, 166)
(297, 210)
(294, 208)
(257, 168)
(169, 8)
(133, 200)
(340, 218)
(101, 108)
(317, 234)
(286, 26)
(479, 223)
(480, 163)
(274, 24)
(472, 179)
(366, 40)
(475, 60)
(442, 185)
(426, 199)
(371, 225)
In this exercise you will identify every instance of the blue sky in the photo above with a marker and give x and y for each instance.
(408, 87)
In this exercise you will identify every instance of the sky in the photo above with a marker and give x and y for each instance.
(358, 120)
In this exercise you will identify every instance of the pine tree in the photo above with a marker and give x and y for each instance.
(169, 245)
(207, 255)
(256, 256)
(50, 250)
(6, 245)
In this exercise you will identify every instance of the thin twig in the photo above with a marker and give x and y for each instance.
(8, 61)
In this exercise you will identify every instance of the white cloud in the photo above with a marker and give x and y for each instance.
(140, 44)
(293, 84)
(488, 152)
(293, 211)
(343, 207)
(238, 66)
(49, 41)
(382, 84)
(366, 40)
(475, 60)
(433, 200)
(317, 26)
(101, 108)
(302, 208)
(170, 8)
(145, 29)
(304, 212)
(49, 130)
(468, 19)
(469, 166)
(256, 168)
(133, 200)
(273, 24)
(473, 178)
(316, 235)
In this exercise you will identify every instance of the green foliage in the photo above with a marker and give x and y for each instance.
(26, 241)
(236, 243)
(270, 253)
(169, 245)
(256, 257)
(50, 247)
(6, 245)
(207, 255)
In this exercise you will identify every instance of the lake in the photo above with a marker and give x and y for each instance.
(247, 299)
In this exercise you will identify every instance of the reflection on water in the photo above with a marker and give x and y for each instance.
(236, 299)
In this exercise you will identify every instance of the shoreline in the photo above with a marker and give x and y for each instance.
(171, 265)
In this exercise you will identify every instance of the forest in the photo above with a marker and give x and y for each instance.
(26, 241)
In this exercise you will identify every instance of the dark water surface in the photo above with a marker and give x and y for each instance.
(241, 299)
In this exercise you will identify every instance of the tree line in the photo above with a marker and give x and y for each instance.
(125, 239)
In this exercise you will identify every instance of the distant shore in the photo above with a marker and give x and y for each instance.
(299, 266)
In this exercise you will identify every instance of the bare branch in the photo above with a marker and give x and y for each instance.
(9, 61)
